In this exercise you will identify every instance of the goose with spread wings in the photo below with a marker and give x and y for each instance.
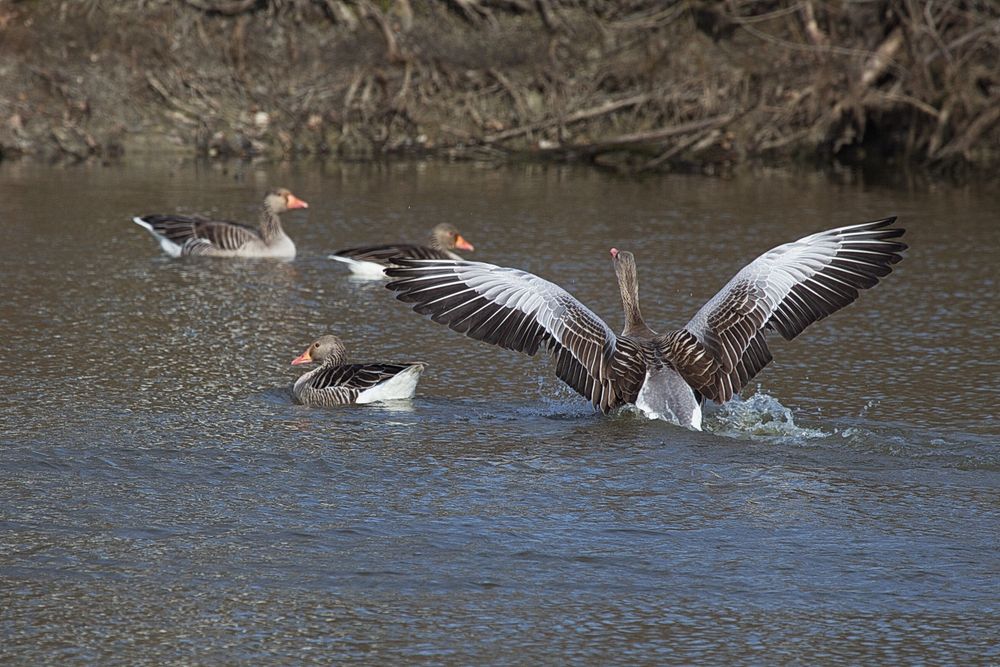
(183, 235)
(666, 375)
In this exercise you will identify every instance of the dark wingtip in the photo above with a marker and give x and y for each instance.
(895, 231)
(885, 224)
(400, 268)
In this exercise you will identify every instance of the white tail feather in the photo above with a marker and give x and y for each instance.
(402, 385)
(168, 246)
(368, 270)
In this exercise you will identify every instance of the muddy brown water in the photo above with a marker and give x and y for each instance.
(164, 502)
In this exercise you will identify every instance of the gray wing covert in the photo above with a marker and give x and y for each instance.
(341, 385)
(197, 235)
(222, 235)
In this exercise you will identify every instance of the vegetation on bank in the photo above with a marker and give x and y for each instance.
(636, 85)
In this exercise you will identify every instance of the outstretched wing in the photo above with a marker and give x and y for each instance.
(520, 311)
(786, 289)
(193, 233)
(385, 254)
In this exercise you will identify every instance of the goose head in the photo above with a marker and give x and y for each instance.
(281, 200)
(325, 350)
(447, 237)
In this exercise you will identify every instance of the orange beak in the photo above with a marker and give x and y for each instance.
(295, 202)
(462, 244)
(303, 358)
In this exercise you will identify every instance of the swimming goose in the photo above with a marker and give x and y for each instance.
(336, 382)
(181, 235)
(370, 261)
(666, 375)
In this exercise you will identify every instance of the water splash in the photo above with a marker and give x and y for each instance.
(868, 406)
(761, 416)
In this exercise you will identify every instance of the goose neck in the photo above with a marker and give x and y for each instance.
(270, 224)
(628, 283)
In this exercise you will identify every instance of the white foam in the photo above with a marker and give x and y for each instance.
(761, 416)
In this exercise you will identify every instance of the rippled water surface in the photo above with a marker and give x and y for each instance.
(164, 502)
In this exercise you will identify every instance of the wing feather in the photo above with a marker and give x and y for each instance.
(342, 385)
(356, 376)
(785, 289)
(196, 235)
(519, 311)
(385, 254)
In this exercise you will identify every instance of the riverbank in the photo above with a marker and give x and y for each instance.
(637, 87)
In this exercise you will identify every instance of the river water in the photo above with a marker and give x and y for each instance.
(164, 501)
